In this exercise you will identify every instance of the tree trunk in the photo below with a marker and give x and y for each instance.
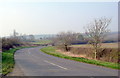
(95, 55)
(96, 50)
(66, 47)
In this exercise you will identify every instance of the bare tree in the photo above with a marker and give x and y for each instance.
(96, 32)
(31, 38)
(66, 38)
(80, 36)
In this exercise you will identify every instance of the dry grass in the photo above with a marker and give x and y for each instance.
(68, 53)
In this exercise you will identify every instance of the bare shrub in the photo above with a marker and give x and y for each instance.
(82, 51)
(11, 42)
(107, 54)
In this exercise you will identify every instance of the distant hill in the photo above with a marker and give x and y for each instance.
(112, 36)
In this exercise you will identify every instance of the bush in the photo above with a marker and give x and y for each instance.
(109, 54)
(11, 42)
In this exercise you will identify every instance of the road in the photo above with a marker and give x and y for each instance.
(32, 62)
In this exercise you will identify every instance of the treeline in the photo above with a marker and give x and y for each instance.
(15, 40)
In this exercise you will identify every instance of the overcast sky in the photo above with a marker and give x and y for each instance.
(53, 17)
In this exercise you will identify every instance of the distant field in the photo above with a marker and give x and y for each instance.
(104, 45)
(42, 42)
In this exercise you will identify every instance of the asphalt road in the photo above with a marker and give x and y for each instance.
(32, 62)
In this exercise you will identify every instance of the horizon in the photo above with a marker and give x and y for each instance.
(115, 32)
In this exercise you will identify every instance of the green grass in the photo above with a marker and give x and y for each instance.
(42, 42)
(51, 51)
(8, 60)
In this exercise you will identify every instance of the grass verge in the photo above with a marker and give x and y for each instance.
(51, 51)
(8, 60)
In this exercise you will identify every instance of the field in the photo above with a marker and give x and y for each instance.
(42, 42)
(103, 45)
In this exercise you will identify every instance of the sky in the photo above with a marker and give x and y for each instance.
(35, 17)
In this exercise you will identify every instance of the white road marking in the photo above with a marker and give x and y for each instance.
(55, 64)
(50, 62)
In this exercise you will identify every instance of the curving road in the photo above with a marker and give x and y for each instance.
(32, 62)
